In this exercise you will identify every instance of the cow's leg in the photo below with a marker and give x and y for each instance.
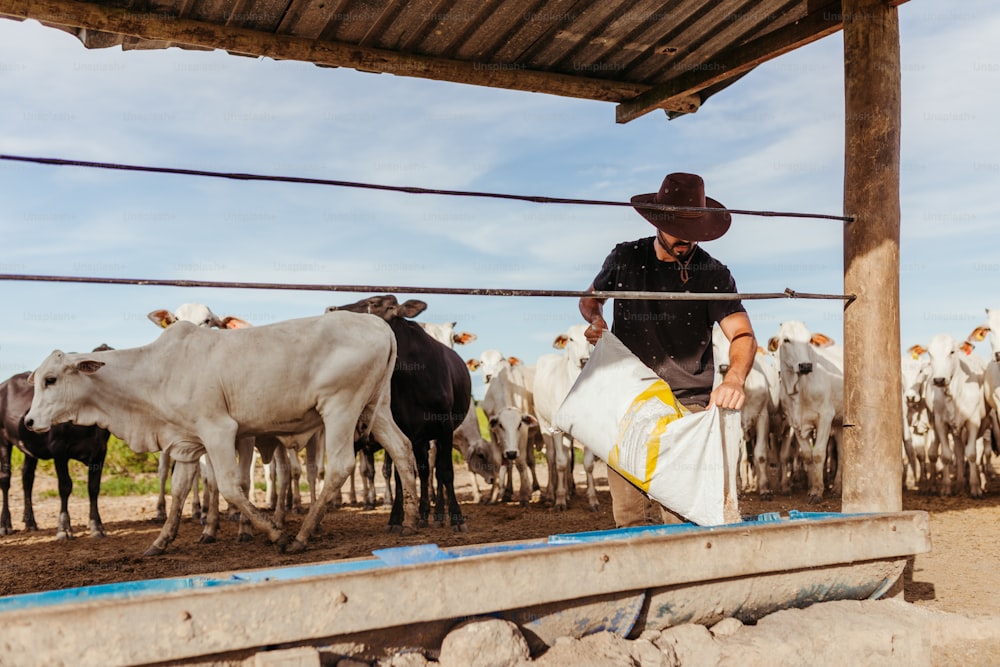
(949, 457)
(94, 470)
(312, 466)
(196, 508)
(421, 453)
(972, 443)
(499, 483)
(387, 478)
(293, 500)
(524, 492)
(812, 451)
(163, 472)
(339, 464)
(762, 431)
(180, 486)
(837, 434)
(282, 482)
(399, 449)
(444, 471)
(28, 484)
(588, 467)
(939, 457)
(211, 504)
(6, 525)
(785, 458)
(367, 466)
(64, 528)
(561, 461)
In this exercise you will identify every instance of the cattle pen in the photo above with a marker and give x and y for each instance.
(857, 555)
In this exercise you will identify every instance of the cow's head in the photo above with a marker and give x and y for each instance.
(195, 313)
(490, 362)
(944, 354)
(484, 459)
(60, 385)
(793, 346)
(509, 428)
(992, 329)
(915, 373)
(574, 345)
(385, 306)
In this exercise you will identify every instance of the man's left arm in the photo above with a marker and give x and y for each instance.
(742, 348)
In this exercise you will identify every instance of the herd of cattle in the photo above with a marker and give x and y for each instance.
(365, 376)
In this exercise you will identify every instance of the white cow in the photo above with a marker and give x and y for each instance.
(991, 376)
(482, 456)
(195, 391)
(760, 417)
(554, 377)
(508, 394)
(811, 395)
(508, 382)
(920, 447)
(958, 408)
(509, 429)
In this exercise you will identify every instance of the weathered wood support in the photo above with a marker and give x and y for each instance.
(872, 391)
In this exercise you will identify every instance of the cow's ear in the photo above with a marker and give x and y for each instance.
(514, 361)
(979, 333)
(821, 340)
(560, 342)
(162, 318)
(528, 420)
(473, 364)
(89, 366)
(464, 338)
(966, 347)
(412, 308)
(772, 344)
(916, 350)
(230, 322)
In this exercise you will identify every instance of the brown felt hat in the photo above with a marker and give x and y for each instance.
(687, 190)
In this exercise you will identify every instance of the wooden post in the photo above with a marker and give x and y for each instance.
(872, 478)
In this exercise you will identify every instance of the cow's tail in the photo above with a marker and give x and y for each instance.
(382, 393)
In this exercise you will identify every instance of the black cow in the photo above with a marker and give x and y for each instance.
(431, 393)
(87, 444)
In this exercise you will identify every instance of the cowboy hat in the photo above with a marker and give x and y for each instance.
(686, 190)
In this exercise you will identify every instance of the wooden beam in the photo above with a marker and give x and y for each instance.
(153, 26)
(872, 393)
(731, 64)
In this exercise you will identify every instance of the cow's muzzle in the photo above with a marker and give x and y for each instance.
(805, 368)
(510, 456)
(939, 382)
(723, 369)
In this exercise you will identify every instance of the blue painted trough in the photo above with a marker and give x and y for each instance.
(624, 581)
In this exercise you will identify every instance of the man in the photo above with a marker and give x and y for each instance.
(673, 337)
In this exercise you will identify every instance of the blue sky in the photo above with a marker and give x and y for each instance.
(772, 141)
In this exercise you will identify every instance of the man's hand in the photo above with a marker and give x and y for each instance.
(595, 330)
(729, 394)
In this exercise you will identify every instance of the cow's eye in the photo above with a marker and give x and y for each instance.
(49, 381)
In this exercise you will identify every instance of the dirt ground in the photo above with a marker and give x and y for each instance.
(958, 575)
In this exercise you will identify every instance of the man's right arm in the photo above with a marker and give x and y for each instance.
(592, 310)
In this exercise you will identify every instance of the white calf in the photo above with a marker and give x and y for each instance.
(958, 407)
(554, 377)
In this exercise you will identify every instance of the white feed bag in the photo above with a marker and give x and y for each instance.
(627, 416)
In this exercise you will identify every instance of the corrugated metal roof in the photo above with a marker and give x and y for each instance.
(643, 55)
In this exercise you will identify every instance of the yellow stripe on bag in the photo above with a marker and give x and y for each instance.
(659, 391)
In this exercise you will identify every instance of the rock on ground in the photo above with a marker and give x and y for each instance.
(848, 632)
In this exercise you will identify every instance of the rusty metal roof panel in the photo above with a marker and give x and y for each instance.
(643, 54)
